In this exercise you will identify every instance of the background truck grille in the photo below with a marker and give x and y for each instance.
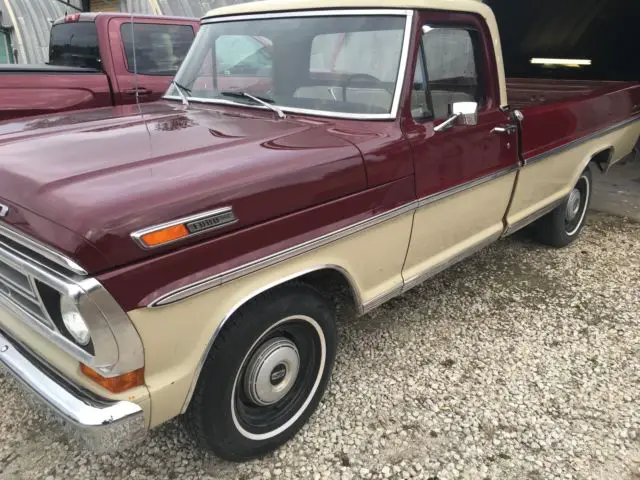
(18, 292)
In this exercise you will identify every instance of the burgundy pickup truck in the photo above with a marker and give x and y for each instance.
(174, 260)
(91, 64)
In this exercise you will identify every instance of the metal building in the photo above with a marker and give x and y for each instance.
(25, 26)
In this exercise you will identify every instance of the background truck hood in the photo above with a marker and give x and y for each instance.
(102, 174)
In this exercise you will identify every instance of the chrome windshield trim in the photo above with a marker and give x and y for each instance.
(332, 12)
(402, 66)
(41, 249)
(579, 141)
(285, 109)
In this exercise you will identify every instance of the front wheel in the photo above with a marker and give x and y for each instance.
(265, 374)
(563, 225)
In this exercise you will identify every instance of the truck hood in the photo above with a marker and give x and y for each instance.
(100, 175)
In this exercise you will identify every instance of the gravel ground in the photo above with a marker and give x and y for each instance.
(520, 363)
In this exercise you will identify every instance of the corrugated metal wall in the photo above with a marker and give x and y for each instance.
(32, 22)
(181, 8)
(139, 6)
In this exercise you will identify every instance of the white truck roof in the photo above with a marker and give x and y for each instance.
(265, 6)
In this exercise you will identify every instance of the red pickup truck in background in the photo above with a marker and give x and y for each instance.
(91, 64)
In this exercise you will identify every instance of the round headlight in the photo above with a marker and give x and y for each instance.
(73, 321)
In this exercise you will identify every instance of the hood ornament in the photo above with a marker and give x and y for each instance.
(3, 210)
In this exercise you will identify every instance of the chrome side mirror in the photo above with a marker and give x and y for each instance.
(462, 113)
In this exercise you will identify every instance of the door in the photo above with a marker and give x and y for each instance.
(160, 48)
(464, 174)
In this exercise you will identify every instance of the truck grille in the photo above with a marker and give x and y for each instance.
(18, 290)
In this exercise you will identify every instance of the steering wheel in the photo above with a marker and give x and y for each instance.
(364, 76)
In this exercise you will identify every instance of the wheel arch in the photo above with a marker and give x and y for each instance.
(603, 158)
(314, 276)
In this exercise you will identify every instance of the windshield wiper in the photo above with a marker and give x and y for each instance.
(265, 102)
(181, 91)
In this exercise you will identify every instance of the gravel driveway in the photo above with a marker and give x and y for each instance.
(520, 363)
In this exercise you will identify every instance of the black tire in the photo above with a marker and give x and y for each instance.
(559, 228)
(225, 413)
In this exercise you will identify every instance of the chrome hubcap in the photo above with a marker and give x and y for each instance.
(573, 204)
(272, 371)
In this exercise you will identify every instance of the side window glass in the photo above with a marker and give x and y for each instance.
(419, 106)
(160, 48)
(451, 55)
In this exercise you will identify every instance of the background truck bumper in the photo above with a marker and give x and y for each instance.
(100, 424)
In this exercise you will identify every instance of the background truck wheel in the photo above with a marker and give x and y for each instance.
(265, 374)
(563, 225)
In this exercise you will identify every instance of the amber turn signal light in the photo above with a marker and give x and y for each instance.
(115, 384)
(165, 235)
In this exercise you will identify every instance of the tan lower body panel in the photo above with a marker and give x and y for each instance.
(380, 260)
(66, 365)
(176, 336)
(447, 228)
(546, 181)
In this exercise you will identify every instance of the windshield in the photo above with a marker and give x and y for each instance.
(345, 64)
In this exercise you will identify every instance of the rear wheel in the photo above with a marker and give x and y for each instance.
(265, 374)
(563, 225)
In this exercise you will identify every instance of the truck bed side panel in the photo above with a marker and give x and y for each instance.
(560, 138)
(551, 125)
(27, 94)
(525, 92)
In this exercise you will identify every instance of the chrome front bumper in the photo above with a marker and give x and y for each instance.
(102, 425)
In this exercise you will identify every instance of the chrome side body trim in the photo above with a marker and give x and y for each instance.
(380, 299)
(581, 140)
(466, 186)
(363, 308)
(117, 346)
(224, 277)
(417, 280)
(41, 249)
(100, 424)
(255, 293)
(225, 214)
(219, 279)
(520, 224)
(402, 66)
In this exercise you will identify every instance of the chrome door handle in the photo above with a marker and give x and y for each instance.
(505, 129)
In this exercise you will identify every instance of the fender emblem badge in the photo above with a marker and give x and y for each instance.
(212, 221)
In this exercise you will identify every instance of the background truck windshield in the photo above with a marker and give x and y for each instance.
(346, 64)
